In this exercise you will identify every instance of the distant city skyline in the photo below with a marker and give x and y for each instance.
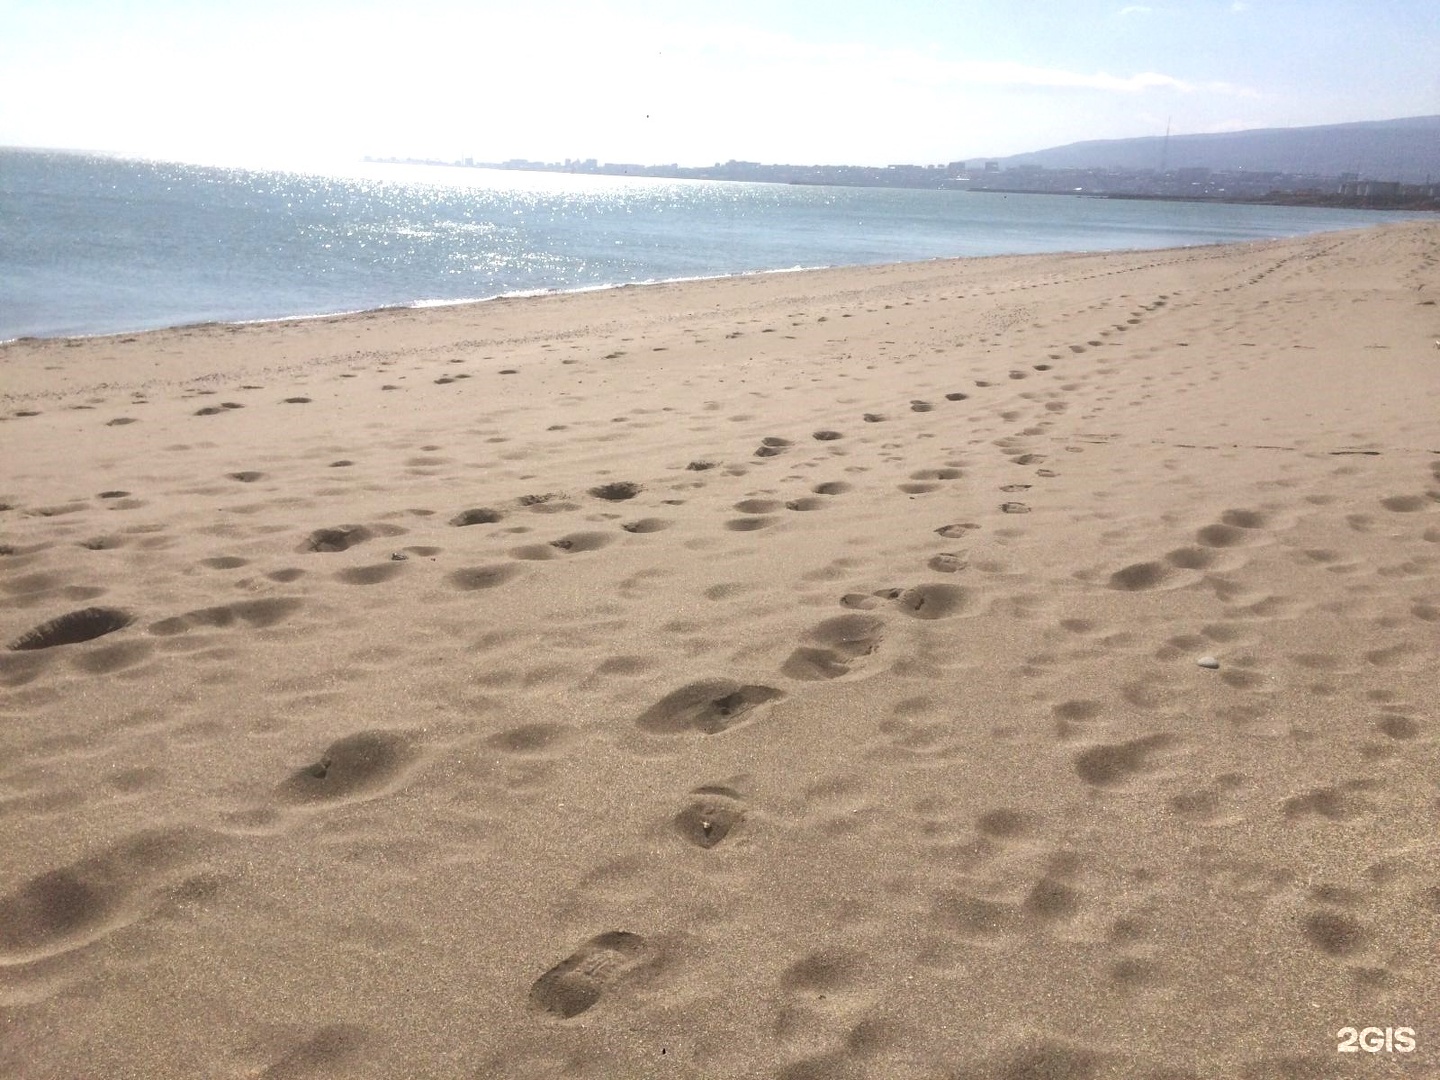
(1383, 165)
(910, 81)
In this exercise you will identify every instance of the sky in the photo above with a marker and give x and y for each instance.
(289, 82)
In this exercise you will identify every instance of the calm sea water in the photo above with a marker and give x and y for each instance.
(92, 245)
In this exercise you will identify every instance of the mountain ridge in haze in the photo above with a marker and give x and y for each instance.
(1405, 149)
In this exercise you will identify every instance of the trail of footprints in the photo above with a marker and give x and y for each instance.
(65, 909)
(1235, 530)
(69, 907)
(839, 646)
(342, 538)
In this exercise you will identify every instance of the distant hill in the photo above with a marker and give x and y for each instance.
(1406, 150)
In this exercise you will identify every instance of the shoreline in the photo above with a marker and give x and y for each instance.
(1314, 201)
(424, 305)
(527, 294)
(1001, 666)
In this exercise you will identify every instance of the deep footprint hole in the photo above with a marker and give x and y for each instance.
(73, 628)
(616, 492)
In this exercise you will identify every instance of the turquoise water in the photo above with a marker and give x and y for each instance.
(92, 245)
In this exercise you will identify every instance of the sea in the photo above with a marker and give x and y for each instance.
(95, 245)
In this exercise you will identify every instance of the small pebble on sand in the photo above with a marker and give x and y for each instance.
(1208, 661)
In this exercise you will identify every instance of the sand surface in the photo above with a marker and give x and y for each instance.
(788, 676)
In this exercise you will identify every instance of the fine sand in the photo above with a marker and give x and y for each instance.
(788, 676)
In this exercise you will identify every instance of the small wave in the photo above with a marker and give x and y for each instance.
(426, 303)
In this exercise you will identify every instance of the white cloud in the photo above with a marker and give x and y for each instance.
(1001, 73)
(1135, 9)
(859, 62)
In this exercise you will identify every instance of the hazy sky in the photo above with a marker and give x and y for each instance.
(799, 81)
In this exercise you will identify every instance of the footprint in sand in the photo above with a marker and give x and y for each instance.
(709, 706)
(1072, 715)
(332, 1050)
(339, 539)
(1050, 900)
(374, 574)
(579, 981)
(1206, 804)
(553, 502)
(1398, 727)
(225, 562)
(255, 613)
(1004, 823)
(1335, 933)
(933, 601)
(364, 765)
(530, 739)
(925, 480)
(1222, 536)
(713, 813)
(646, 525)
(1046, 1058)
(976, 917)
(63, 909)
(1138, 577)
(1245, 519)
(826, 970)
(1192, 558)
(344, 537)
(566, 545)
(772, 446)
(1343, 802)
(1111, 764)
(916, 738)
(839, 643)
(479, 516)
(618, 491)
(750, 524)
(1405, 504)
(951, 532)
(72, 628)
(474, 578)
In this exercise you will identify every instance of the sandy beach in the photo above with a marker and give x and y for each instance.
(1020, 668)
